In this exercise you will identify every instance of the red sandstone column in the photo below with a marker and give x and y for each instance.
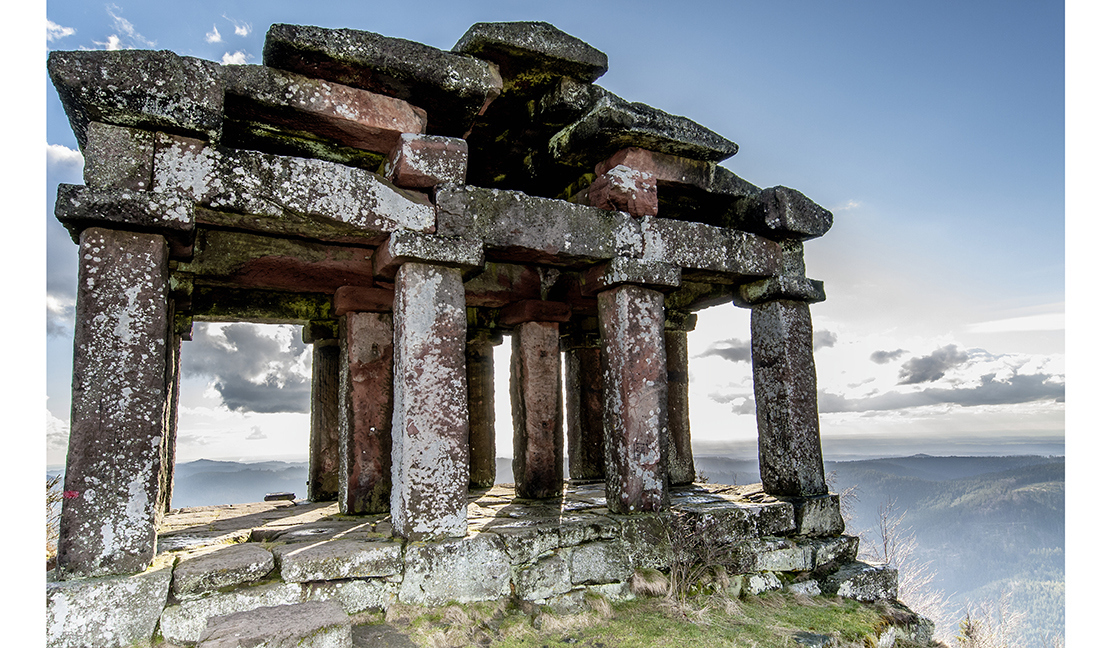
(680, 458)
(585, 431)
(430, 445)
(324, 446)
(366, 412)
(119, 416)
(786, 393)
(631, 321)
(536, 396)
(480, 404)
(169, 440)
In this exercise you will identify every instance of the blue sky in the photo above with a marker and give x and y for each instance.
(935, 132)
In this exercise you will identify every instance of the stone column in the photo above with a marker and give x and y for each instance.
(585, 431)
(120, 414)
(631, 320)
(480, 404)
(366, 359)
(680, 464)
(785, 381)
(324, 453)
(169, 440)
(431, 461)
(786, 393)
(536, 397)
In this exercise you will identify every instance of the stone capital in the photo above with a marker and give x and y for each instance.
(168, 213)
(788, 288)
(624, 270)
(404, 247)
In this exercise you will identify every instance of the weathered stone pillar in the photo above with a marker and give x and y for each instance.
(585, 430)
(120, 412)
(324, 453)
(536, 396)
(480, 404)
(631, 320)
(680, 458)
(169, 439)
(366, 412)
(431, 458)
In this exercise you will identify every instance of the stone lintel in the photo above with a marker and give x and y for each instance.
(424, 161)
(580, 332)
(282, 195)
(320, 332)
(790, 288)
(711, 254)
(533, 50)
(118, 157)
(624, 189)
(298, 104)
(501, 284)
(365, 412)
(120, 406)
(520, 228)
(220, 304)
(454, 89)
(696, 295)
(249, 260)
(141, 89)
(406, 247)
(167, 214)
(533, 310)
(781, 213)
(431, 445)
(786, 395)
(623, 270)
(635, 397)
(363, 299)
(536, 398)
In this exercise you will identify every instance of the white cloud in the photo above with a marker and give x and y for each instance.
(54, 31)
(239, 58)
(112, 44)
(241, 29)
(214, 36)
(63, 158)
(847, 206)
(1043, 322)
(127, 28)
(59, 315)
(57, 432)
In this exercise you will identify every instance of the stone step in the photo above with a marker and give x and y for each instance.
(304, 625)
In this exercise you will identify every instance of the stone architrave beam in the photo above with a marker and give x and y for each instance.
(431, 429)
(120, 410)
(680, 458)
(631, 322)
(366, 412)
(786, 399)
(324, 454)
(537, 399)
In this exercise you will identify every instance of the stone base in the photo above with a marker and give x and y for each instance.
(550, 552)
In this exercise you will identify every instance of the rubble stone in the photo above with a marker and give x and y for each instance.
(227, 566)
(424, 161)
(475, 568)
(185, 623)
(314, 624)
(109, 611)
(864, 582)
(337, 559)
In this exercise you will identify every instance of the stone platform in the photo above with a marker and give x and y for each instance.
(223, 560)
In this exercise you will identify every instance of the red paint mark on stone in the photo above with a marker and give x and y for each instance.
(71, 495)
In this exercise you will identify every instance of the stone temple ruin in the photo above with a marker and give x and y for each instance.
(410, 207)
